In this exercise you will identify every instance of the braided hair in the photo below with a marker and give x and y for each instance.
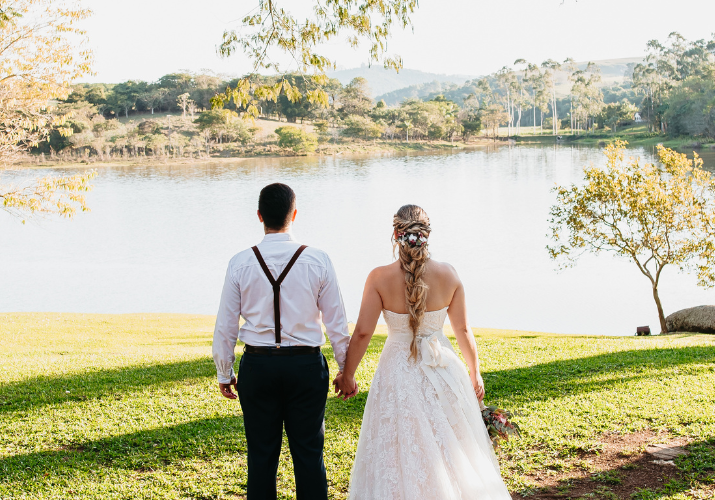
(409, 221)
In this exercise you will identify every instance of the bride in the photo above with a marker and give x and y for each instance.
(422, 434)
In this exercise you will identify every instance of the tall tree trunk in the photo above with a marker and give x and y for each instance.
(518, 122)
(553, 106)
(661, 316)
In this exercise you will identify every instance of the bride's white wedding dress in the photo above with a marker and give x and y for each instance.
(422, 434)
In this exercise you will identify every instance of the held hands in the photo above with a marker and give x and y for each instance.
(345, 387)
(226, 391)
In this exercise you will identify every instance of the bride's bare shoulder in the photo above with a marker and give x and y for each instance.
(443, 270)
(383, 272)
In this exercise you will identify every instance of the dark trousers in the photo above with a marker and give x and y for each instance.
(290, 390)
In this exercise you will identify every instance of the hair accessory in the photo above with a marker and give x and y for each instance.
(411, 239)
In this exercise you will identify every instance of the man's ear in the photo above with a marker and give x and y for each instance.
(260, 217)
(295, 212)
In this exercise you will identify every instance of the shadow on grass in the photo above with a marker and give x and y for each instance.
(639, 477)
(141, 451)
(582, 375)
(97, 384)
(209, 438)
(531, 383)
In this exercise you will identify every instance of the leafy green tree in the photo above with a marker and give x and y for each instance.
(355, 98)
(534, 82)
(652, 215)
(586, 95)
(615, 114)
(270, 28)
(157, 143)
(549, 78)
(665, 66)
(220, 123)
(471, 126)
(298, 140)
(124, 96)
(691, 108)
(362, 126)
(41, 55)
(295, 108)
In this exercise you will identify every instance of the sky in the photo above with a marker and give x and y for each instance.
(145, 39)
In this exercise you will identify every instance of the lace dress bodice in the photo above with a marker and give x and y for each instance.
(398, 325)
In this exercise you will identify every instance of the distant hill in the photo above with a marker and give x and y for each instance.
(614, 70)
(455, 88)
(382, 80)
(450, 90)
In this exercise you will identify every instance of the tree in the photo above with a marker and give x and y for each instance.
(362, 126)
(587, 95)
(355, 98)
(124, 96)
(665, 66)
(550, 68)
(469, 117)
(296, 139)
(269, 28)
(652, 215)
(492, 116)
(152, 98)
(534, 79)
(472, 125)
(223, 122)
(42, 51)
(691, 108)
(51, 195)
(507, 82)
(183, 101)
(616, 113)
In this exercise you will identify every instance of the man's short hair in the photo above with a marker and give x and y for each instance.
(276, 204)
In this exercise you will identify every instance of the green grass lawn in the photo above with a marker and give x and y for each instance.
(126, 406)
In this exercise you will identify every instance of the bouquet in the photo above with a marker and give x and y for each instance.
(499, 424)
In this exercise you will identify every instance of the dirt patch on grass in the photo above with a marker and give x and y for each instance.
(620, 468)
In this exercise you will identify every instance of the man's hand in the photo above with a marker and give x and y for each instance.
(226, 391)
(345, 387)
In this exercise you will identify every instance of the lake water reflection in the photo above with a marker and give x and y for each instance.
(158, 238)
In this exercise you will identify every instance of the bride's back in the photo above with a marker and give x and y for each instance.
(441, 280)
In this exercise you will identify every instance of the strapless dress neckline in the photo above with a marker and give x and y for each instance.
(407, 314)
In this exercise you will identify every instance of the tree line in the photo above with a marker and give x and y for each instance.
(672, 91)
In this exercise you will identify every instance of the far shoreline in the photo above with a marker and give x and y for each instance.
(208, 320)
(357, 149)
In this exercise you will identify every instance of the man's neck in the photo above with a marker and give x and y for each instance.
(268, 230)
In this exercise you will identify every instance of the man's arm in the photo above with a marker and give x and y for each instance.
(226, 334)
(330, 303)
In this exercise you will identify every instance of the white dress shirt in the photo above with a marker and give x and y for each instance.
(309, 289)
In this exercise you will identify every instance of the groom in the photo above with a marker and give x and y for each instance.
(280, 287)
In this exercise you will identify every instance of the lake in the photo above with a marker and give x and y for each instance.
(158, 238)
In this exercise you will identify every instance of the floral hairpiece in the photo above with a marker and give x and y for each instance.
(411, 239)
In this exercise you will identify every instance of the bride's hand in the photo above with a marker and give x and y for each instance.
(346, 386)
(478, 384)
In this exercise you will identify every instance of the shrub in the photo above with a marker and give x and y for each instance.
(148, 127)
(362, 126)
(296, 139)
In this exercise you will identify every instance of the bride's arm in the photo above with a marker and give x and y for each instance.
(370, 309)
(465, 338)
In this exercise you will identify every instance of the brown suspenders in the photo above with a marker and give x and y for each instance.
(276, 284)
